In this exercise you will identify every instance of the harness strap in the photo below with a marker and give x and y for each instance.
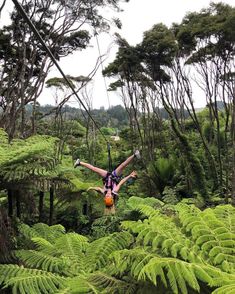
(109, 157)
(109, 180)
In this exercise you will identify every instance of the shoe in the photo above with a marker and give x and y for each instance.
(77, 163)
(137, 154)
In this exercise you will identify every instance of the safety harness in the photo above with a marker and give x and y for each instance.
(111, 180)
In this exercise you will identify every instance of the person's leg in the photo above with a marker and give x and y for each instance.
(95, 169)
(120, 168)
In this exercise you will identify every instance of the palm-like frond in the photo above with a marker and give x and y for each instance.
(24, 280)
(181, 252)
(99, 250)
(228, 289)
(40, 260)
(24, 158)
(212, 231)
(64, 263)
(97, 283)
(50, 233)
(198, 241)
(146, 206)
(176, 274)
(44, 246)
(226, 285)
(72, 246)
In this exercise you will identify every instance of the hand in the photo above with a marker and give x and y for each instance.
(134, 174)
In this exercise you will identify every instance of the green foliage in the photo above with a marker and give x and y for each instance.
(24, 280)
(163, 170)
(24, 158)
(108, 131)
(63, 263)
(170, 195)
(184, 249)
(105, 225)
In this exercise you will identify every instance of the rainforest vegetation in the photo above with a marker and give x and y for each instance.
(174, 226)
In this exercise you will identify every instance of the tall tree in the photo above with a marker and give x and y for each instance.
(25, 64)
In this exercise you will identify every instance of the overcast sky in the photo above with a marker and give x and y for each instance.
(138, 16)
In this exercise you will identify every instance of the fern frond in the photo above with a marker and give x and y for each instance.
(27, 231)
(162, 233)
(226, 213)
(98, 251)
(50, 233)
(134, 202)
(80, 284)
(36, 259)
(107, 283)
(23, 280)
(226, 284)
(228, 289)
(97, 283)
(179, 273)
(133, 226)
(24, 158)
(45, 246)
(73, 246)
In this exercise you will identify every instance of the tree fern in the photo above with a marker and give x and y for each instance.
(228, 289)
(174, 273)
(147, 206)
(98, 251)
(50, 233)
(72, 246)
(98, 282)
(162, 233)
(24, 158)
(40, 260)
(212, 231)
(134, 202)
(64, 263)
(202, 241)
(24, 280)
(183, 252)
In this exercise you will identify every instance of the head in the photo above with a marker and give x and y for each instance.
(109, 203)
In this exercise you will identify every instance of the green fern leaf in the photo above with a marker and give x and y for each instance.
(228, 289)
(23, 280)
(98, 251)
(81, 285)
(45, 246)
(40, 260)
(50, 233)
(183, 270)
(28, 231)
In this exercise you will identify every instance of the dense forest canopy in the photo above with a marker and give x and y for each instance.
(174, 226)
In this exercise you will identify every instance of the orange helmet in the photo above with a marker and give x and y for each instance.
(108, 200)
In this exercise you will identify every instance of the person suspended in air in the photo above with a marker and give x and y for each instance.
(112, 180)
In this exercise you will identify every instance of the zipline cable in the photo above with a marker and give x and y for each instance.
(99, 51)
(105, 84)
(101, 62)
(39, 37)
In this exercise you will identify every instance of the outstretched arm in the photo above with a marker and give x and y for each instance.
(97, 189)
(131, 175)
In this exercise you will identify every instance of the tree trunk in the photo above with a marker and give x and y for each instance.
(233, 146)
(194, 163)
(18, 206)
(10, 203)
(51, 205)
(40, 208)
